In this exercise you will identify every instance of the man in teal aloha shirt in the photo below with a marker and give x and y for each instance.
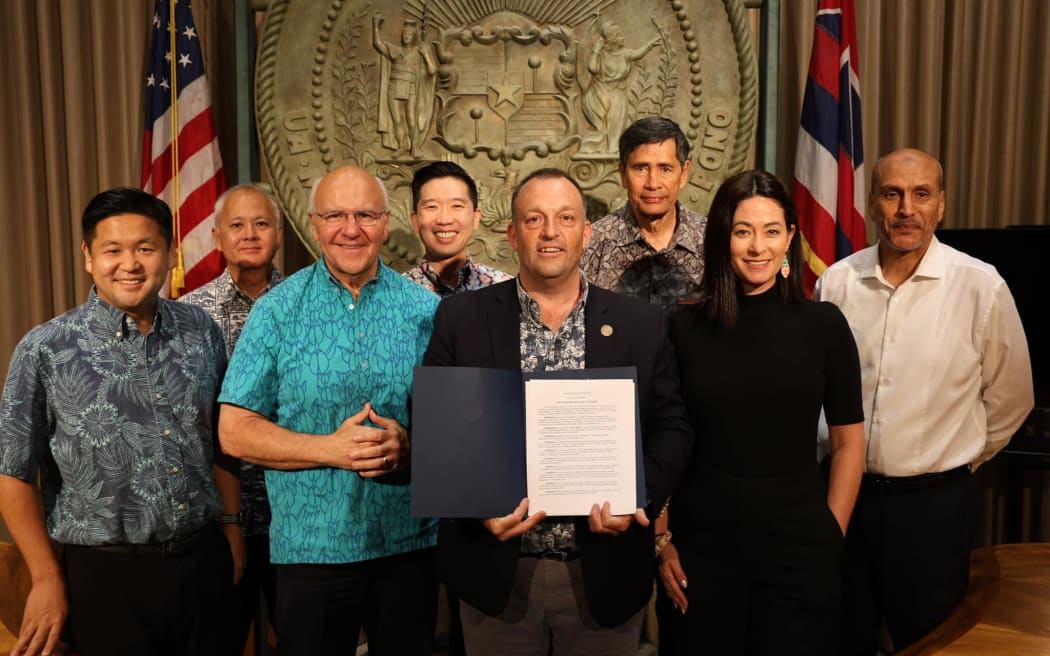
(317, 391)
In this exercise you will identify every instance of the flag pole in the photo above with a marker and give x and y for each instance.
(178, 274)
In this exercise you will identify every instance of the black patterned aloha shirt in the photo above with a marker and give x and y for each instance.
(619, 258)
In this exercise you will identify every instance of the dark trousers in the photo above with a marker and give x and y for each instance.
(764, 573)
(142, 603)
(322, 608)
(907, 559)
(259, 577)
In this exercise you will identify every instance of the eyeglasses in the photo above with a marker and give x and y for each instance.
(363, 218)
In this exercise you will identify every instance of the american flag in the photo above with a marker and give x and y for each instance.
(829, 162)
(198, 179)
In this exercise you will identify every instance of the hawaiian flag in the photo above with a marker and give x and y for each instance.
(829, 162)
(189, 168)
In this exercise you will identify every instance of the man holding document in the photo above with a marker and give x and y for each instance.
(529, 581)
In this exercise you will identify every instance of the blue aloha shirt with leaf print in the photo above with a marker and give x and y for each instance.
(119, 426)
(309, 357)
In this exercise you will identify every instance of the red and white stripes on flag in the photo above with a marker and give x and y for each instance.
(829, 163)
(190, 168)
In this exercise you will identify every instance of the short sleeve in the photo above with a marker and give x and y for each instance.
(23, 414)
(843, 402)
(251, 380)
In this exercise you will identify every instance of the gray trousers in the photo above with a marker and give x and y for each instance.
(547, 608)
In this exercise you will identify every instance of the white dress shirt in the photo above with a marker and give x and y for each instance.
(944, 360)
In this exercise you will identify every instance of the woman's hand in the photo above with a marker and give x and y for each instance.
(673, 576)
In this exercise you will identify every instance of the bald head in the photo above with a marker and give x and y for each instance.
(343, 175)
(911, 156)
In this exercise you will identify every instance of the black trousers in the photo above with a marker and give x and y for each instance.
(322, 608)
(140, 603)
(907, 559)
(764, 572)
(259, 577)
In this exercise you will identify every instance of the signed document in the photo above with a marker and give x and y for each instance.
(580, 445)
(483, 439)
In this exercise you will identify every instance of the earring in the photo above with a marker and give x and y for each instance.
(785, 267)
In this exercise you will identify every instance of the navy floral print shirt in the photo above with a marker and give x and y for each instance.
(119, 426)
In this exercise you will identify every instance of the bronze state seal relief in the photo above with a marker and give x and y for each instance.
(502, 87)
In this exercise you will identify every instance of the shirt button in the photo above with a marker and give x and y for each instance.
(361, 335)
(884, 380)
(167, 431)
(364, 365)
(158, 396)
(351, 306)
(175, 470)
(182, 506)
(116, 334)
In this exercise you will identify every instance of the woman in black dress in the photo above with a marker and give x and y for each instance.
(753, 566)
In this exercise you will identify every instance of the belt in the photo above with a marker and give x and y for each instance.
(170, 549)
(563, 556)
(884, 485)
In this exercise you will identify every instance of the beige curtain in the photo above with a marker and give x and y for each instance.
(71, 116)
(71, 125)
(966, 80)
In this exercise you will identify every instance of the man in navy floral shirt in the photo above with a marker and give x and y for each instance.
(111, 406)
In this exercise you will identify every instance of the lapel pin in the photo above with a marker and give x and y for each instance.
(607, 330)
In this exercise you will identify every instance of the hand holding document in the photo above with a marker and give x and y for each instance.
(484, 439)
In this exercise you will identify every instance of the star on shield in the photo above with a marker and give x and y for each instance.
(507, 95)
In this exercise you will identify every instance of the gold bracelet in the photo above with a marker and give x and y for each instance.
(662, 540)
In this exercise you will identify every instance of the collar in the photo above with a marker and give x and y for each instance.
(117, 322)
(530, 307)
(931, 266)
(466, 274)
(228, 289)
(382, 271)
(684, 236)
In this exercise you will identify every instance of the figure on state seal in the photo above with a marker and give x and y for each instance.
(604, 100)
(406, 92)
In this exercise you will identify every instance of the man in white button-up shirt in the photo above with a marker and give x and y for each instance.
(947, 380)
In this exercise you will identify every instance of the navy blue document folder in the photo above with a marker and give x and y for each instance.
(468, 438)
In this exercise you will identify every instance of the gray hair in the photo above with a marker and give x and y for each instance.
(220, 202)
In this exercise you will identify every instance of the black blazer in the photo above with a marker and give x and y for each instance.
(481, 329)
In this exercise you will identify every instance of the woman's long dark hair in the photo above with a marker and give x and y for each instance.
(720, 282)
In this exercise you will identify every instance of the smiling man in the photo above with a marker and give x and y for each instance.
(317, 392)
(112, 407)
(573, 585)
(946, 381)
(652, 247)
(247, 232)
(446, 214)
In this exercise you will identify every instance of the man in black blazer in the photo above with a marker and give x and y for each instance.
(580, 584)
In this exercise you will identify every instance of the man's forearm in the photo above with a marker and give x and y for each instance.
(23, 514)
(253, 438)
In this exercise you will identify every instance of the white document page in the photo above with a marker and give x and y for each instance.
(580, 445)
